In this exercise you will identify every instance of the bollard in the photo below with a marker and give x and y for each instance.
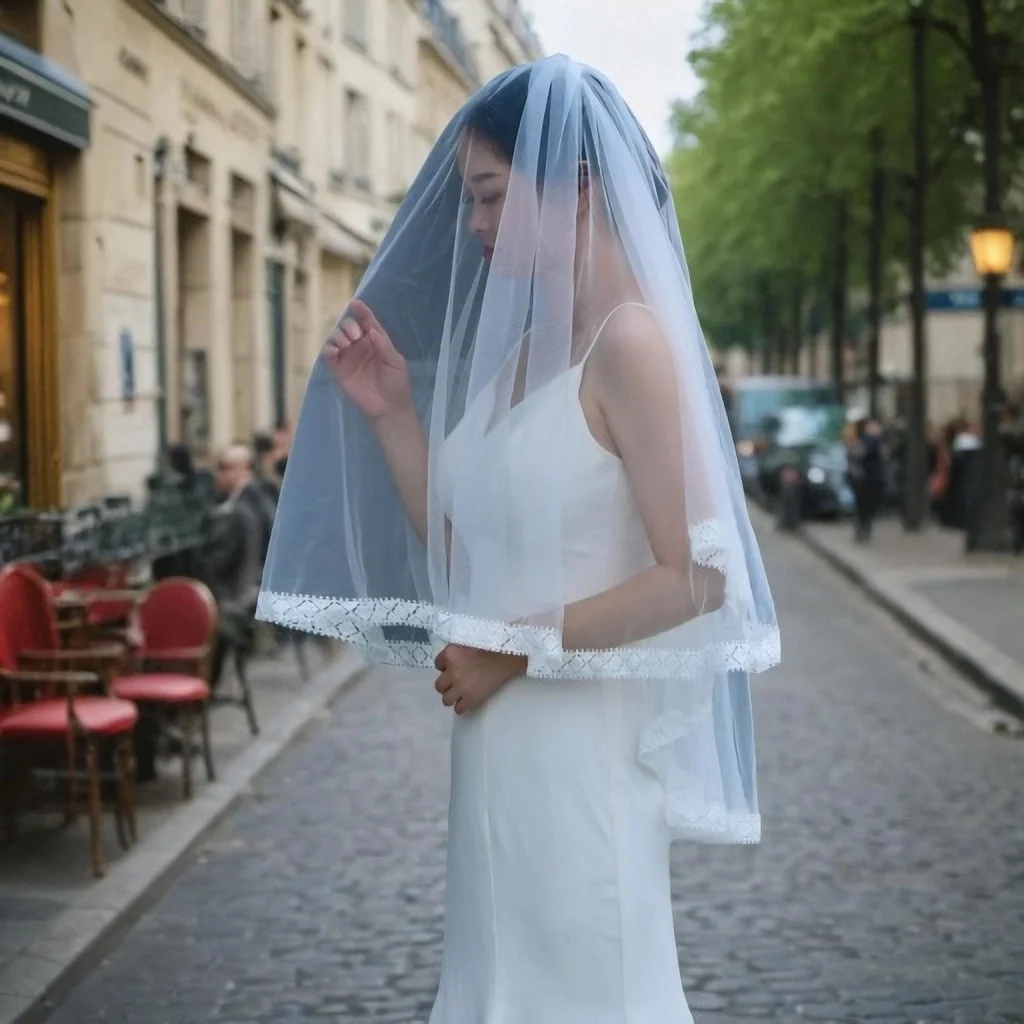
(790, 499)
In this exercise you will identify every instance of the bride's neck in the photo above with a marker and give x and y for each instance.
(604, 281)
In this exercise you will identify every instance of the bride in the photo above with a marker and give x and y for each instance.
(513, 466)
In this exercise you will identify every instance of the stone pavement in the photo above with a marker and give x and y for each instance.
(888, 888)
(969, 607)
(51, 906)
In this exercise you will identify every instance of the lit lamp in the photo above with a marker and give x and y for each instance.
(992, 250)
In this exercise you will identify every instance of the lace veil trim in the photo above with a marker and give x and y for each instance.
(361, 621)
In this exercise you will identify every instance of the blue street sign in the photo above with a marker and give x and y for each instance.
(957, 300)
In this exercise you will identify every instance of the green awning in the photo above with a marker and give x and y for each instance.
(36, 92)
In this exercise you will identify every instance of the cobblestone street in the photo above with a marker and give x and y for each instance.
(889, 886)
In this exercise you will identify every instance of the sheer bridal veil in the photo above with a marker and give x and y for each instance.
(541, 215)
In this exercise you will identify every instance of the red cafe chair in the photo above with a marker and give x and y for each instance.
(175, 626)
(28, 607)
(59, 724)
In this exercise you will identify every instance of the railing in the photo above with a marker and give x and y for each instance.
(449, 34)
(512, 14)
(70, 541)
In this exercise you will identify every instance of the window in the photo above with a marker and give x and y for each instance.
(193, 13)
(245, 43)
(21, 21)
(301, 122)
(354, 15)
(396, 165)
(196, 401)
(357, 139)
(395, 35)
(13, 388)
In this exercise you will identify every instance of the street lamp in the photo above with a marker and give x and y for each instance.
(992, 250)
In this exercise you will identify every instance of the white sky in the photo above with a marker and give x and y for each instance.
(639, 44)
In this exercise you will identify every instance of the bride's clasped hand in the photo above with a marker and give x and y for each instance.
(470, 676)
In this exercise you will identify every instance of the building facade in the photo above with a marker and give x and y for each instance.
(190, 191)
(45, 126)
(448, 74)
(498, 32)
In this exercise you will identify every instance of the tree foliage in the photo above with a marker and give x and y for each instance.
(773, 160)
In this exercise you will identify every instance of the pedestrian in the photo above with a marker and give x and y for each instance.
(231, 560)
(282, 442)
(938, 469)
(866, 461)
(265, 458)
(191, 492)
(513, 463)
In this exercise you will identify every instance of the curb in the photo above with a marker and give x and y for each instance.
(985, 665)
(38, 976)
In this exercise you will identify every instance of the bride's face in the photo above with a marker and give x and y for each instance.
(485, 177)
(492, 190)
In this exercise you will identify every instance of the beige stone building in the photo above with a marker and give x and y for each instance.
(146, 297)
(189, 193)
(448, 74)
(499, 34)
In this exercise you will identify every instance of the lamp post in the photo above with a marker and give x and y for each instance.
(992, 251)
(916, 469)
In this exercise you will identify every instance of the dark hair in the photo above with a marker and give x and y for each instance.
(497, 114)
(262, 443)
(179, 459)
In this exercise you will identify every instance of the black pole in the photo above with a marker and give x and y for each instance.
(813, 336)
(915, 476)
(838, 304)
(767, 332)
(160, 157)
(876, 243)
(796, 324)
(989, 528)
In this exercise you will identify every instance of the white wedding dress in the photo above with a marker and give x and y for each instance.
(557, 905)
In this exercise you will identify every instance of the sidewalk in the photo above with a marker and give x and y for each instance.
(54, 914)
(968, 607)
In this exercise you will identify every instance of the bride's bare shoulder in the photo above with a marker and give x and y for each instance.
(632, 346)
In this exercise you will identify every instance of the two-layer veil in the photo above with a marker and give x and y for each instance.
(490, 327)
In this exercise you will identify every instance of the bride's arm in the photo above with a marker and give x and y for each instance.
(635, 381)
(405, 450)
(404, 444)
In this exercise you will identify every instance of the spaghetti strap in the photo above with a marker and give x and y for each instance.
(600, 330)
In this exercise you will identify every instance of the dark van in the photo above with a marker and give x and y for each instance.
(756, 400)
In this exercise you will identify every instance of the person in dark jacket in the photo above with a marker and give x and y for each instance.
(231, 561)
(867, 473)
(264, 466)
(188, 490)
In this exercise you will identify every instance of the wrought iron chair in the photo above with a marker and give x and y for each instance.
(34, 538)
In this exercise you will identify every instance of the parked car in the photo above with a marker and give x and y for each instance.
(808, 439)
(754, 400)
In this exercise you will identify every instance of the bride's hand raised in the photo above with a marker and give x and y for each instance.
(367, 366)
